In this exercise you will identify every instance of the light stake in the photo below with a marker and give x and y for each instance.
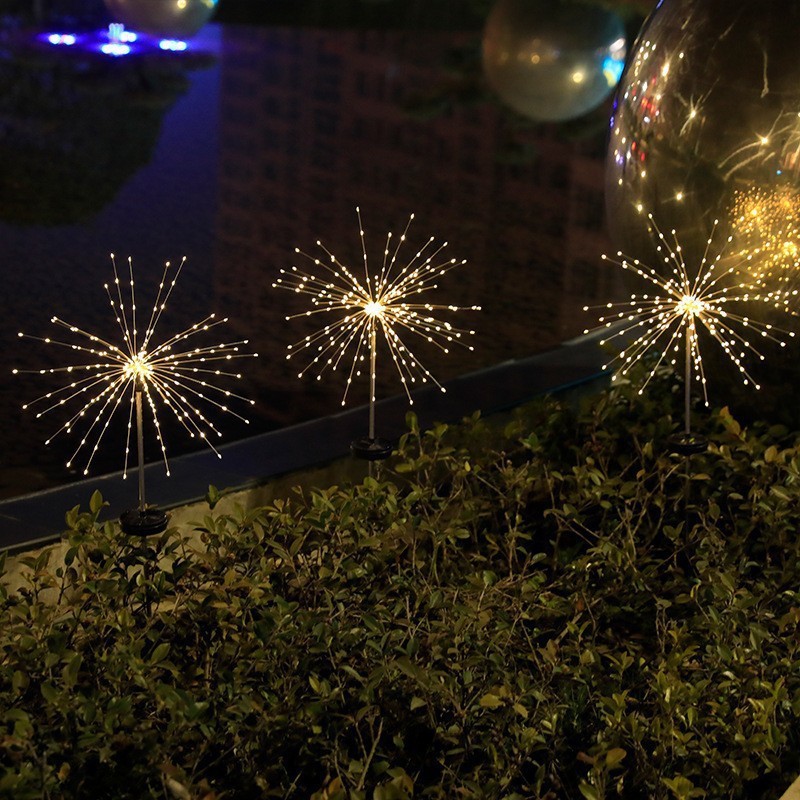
(382, 300)
(175, 372)
(684, 300)
(142, 521)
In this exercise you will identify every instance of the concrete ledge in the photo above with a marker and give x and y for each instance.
(38, 518)
(793, 792)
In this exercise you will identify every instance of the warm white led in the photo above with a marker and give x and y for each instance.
(175, 373)
(385, 300)
(685, 300)
(766, 231)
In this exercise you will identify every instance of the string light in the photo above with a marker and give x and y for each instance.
(382, 300)
(175, 373)
(684, 301)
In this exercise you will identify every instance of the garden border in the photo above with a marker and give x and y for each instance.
(36, 519)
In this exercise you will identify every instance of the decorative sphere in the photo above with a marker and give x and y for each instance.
(168, 18)
(552, 60)
(706, 124)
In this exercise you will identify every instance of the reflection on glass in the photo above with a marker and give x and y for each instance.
(766, 231)
(271, 149)
(114, 41)
(75, 126)
(173, 19)
(709, 107)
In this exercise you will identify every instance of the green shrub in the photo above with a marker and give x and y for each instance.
(560, 609)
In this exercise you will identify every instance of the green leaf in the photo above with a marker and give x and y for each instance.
(588, 791)
(71, 670)
(614, 757)
(19, 681)
(212, 496)
(49, 692)
(489, 577)
(390, 791)
(521, 710)
(96, 502)
(682, 788)
(781, 493)
(160, 653)
(490, 700)
(71, 518)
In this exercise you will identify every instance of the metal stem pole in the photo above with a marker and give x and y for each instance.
(372, 359)
(140, 446)
(687, 383)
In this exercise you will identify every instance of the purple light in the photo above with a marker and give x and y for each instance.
(115, 49)
(174, 45)
(114, 41)
(67, 39)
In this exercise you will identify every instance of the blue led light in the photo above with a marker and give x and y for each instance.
(67, 39)
(114, 41)
(173, 45)
(115, 49)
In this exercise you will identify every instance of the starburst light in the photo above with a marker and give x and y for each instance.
(385, 300)
(685, 300)
(175, 373)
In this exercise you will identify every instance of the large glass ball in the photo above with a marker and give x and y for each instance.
(707, 125)
(552, 60)
(168, 18)
(705, 136)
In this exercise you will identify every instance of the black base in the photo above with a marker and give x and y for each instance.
(143, 523)
(371, 449)
(687, 444)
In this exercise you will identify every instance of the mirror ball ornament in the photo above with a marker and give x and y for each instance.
(552, 60)
(172, 18)
(707, 111)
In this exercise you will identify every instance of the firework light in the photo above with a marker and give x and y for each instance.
(175, 373)
(385, 300)
(685, 300)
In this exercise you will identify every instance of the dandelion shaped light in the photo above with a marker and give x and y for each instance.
(682, 301)
(389, 300)
(766, 231)
(175, 374)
